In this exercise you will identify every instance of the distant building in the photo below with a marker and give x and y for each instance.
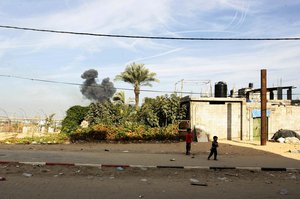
(238, 118)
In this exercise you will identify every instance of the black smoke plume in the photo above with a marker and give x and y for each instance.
(96, 92)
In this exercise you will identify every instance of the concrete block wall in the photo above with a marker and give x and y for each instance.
(233, 119)
(284, 117)
(281, 117)
(222, 120)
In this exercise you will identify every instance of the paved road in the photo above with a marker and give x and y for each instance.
(140, 158)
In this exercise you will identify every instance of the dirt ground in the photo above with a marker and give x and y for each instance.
(27, 181)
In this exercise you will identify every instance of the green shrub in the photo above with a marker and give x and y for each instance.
(97, 132)
(75, 115)
(129, 132)
(54, 138)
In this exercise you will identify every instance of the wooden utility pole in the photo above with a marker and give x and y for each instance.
(263, 96)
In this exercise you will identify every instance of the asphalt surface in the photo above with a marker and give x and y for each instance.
(149, 159)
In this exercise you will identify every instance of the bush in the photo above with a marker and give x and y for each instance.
(75, 115)
(129, 132)
(98, 132)
(55, 138)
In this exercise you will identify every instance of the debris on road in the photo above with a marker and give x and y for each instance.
(193, 180)
(27, 175)
(2, 178)
(231, 174)
(223, 179)
(45, 170)
(120, 168)
(283, 192)
(281, 140)
(291, 140)
(199, 184)
(294, 151)
(293, 177)
(285, 133)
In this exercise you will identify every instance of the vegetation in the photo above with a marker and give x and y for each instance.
(156, 120)
(75, 115)
(137, 75)
(52, 138)
(161, 111)
(119, 97)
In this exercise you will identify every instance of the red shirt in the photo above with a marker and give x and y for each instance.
(188, 138)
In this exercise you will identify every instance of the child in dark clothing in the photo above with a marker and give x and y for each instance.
(213, 150)
(188, 141)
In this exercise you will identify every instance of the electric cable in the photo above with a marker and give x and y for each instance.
(150, 37)
(119, 88)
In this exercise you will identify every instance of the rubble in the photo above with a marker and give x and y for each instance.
(28, 175)
(292, 140)
(283, 192)
(120, 168)
(2, 178)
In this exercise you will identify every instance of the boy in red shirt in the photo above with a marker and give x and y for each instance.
(188, 141)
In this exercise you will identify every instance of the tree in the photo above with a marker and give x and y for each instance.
(119, 97)
(49, 121)
(161, 111)
(137, 75)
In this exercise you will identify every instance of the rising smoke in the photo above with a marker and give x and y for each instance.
(96, 92)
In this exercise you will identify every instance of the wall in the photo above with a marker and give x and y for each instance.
(284, 117)
(223, 119)
(281, 117)
(231, 118)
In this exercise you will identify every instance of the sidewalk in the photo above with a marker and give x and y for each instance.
(161, 155)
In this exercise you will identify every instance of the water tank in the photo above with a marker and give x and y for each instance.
(221, 89)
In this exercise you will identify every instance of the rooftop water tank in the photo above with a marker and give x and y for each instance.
(221, 89)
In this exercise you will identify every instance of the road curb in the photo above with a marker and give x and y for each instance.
(153, 167)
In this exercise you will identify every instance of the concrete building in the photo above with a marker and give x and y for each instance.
(239, 118)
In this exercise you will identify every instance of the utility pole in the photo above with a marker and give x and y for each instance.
(263, 101)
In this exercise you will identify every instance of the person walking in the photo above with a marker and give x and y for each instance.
(213, 150)
(188, 141)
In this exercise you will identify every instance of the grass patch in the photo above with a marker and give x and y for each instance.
(59, 138)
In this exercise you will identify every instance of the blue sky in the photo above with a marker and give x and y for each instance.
(62, 57)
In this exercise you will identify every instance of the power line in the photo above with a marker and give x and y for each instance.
(119, 88)
(150, 37)
(77, 84)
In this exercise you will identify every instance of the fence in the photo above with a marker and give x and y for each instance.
(29, 125)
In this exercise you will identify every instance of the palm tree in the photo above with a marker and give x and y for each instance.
(137, 75)
(119, 97)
